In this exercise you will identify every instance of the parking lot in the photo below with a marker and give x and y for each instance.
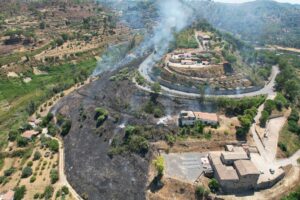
(184, 166)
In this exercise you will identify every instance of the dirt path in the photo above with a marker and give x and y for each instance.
(62, 176)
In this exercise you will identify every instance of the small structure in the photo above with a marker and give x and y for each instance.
(9, 195)
(188, 62)
(229, 158)
(30, 134)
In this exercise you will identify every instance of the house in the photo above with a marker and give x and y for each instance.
(9, 195)
(188, 118)
(30, 134)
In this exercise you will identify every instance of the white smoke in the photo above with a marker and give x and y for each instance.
(174, 16)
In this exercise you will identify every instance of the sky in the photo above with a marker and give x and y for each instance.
(242, 1)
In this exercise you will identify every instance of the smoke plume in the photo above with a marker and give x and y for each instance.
(173, 16)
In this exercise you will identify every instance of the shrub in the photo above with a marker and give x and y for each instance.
(48, 192)
(214, 185)
(282, 146)
(170, 139)
(65, 190)
(32, 179)
(26, 172)
(12, 135)
(158, 112)
(54, 176)
(9, 171)
(29, 164)
(36, 196)
(138, 144)
(100, 115)
(201, 192)
(37, 155)
(156, 88)
(19, 192)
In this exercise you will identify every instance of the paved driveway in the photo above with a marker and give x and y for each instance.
(184, 166)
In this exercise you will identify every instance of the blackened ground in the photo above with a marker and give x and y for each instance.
(88, 167)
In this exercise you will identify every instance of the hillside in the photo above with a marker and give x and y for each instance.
(258, 21)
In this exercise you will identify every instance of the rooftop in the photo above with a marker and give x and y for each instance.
(224, 172)
(187, 114)
(206, 116)
(235, 155)
(29, 134)
(245, 167)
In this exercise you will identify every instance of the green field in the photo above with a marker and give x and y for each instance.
(20, 95)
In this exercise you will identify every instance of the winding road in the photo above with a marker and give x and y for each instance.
(146, 67)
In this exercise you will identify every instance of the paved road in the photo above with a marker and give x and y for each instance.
(269, 149)
(146, 67)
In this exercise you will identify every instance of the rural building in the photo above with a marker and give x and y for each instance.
(30, 134)
(9, 195)
(234, 171)
(188, 118)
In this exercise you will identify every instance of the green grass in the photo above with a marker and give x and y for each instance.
(291, 141)
(20, 94)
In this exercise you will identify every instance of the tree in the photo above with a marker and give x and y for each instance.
(156, 88)
(264, 118)
(269, 106)
(21, 141)
(65, 190)
(47, 119)
(54, 176)
(26, 172)
(54, 145)
(19, 192)
(159, 165)
(65, 128)
(48, 192)
(214, 185)
(37, 155)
